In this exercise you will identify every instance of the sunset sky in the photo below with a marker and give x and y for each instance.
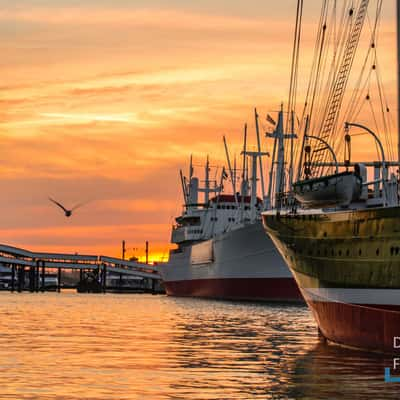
(104, 101)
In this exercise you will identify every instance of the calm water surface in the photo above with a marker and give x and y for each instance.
(70, 346)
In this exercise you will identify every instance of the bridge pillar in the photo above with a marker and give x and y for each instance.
(43, 275)
(32, 279)
(12, 278)
(37, 277)
(104, 278)
(59, 280)
(21, 278)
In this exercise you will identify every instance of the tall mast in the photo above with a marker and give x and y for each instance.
(244, 186)
(244, 165)
(260, 159)
(254, 155)
(228, 159)
(234, 170)
(207, 182)
(280, 170)
(271, 171)
(398, 79)
(291, 153)
(253, 200)
(279, 159)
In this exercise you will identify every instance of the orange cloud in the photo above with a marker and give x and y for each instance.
(164, 18)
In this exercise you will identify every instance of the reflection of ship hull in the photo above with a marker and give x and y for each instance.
(333, 372)
(243, 264)
(256, 289)
(347, 265)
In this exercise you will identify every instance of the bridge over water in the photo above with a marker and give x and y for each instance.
(21, 262)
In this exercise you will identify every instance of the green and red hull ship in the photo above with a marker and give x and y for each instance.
(347, 266)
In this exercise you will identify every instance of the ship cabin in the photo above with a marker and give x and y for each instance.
(221, 214)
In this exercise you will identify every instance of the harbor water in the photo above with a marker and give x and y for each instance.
(78, 346)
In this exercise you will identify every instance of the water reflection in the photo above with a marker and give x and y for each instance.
(329, 371)
(73, 346)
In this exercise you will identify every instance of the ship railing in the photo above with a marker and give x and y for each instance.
(284, 199)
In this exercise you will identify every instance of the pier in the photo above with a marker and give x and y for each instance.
(22, 269)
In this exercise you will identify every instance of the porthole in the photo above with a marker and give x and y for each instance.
(359, 252)
(377, 252)
(340, 253)
(347, 252)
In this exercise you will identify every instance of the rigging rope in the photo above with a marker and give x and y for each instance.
(291, 110)
(327, 104)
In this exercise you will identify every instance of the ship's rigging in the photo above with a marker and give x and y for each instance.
(342, 26)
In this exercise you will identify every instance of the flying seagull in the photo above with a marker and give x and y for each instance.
(68, 213)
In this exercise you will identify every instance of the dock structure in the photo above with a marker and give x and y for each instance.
(25, 265)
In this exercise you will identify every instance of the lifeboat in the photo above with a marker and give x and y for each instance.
(331, 190)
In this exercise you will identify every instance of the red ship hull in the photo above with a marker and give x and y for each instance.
(358, 326)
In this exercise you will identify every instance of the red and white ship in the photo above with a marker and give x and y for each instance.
(222, 251)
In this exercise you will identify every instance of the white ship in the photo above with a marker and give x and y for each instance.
(222, 251)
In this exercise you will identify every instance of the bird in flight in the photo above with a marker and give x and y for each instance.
(67, 212)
